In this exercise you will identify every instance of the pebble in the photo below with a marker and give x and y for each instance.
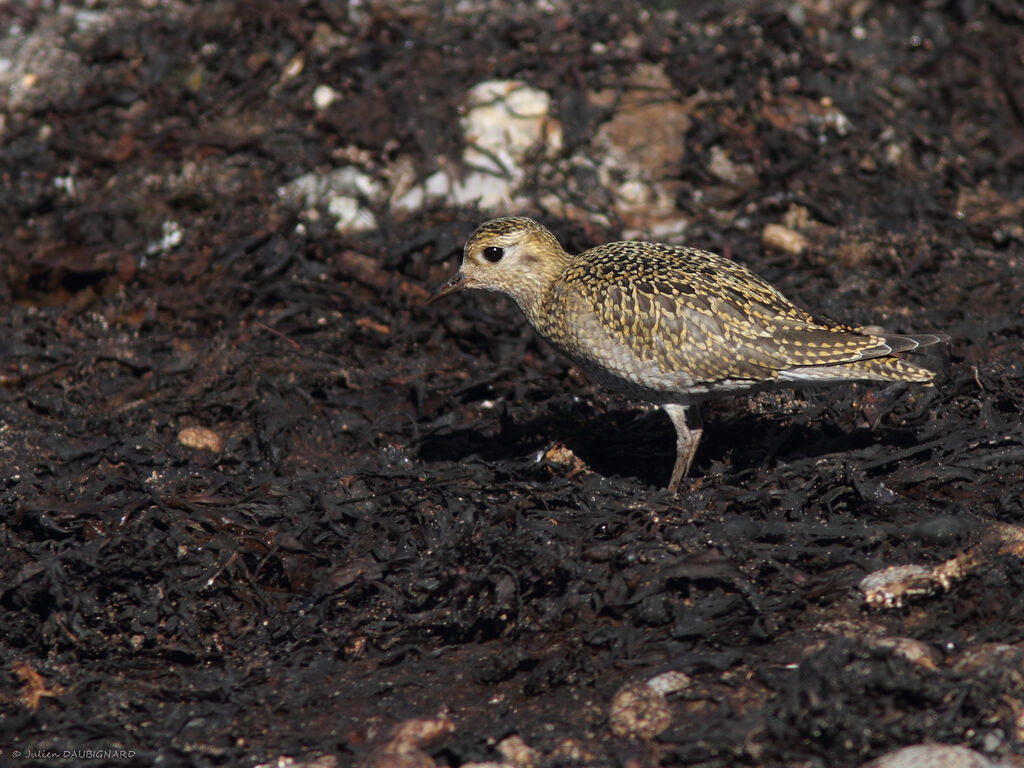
(200, 439)
(934, 756)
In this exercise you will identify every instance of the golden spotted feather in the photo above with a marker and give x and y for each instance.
(678, 320)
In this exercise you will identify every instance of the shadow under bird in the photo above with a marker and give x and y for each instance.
(673, 325)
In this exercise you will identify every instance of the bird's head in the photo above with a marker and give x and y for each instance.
(512, 255)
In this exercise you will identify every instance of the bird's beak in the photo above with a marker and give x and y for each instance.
(457, 283)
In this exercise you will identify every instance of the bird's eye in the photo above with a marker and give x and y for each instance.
(493, 253)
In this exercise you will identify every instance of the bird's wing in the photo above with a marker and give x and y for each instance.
(680, 312)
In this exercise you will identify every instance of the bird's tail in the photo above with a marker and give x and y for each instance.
(875, 369)
(884, 368)
(904, 343)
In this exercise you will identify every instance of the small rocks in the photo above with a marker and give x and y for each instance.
(171, 236)
(638, 711)
(639, 151)
(891, 587)
(518, 752)
(806, 116)
(503, 121)
(740, 175)
(200, 439)
(344, 192)
(933, 756)
(641, 711)
(407, 742)
(324, 96)
(779, 238)
(914, 651)
(561, 455)
(287, 761)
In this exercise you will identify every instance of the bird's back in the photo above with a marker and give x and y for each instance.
(672, 323)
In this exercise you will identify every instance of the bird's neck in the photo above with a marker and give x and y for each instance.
(536, 283)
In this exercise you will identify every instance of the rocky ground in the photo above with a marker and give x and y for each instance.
(262, 505)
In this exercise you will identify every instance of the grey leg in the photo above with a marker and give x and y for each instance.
(686, 419)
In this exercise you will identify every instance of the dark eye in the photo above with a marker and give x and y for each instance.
(493, 253)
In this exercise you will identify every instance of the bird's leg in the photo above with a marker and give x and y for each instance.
(686, 419)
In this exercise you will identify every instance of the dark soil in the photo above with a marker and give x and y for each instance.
(380, 536)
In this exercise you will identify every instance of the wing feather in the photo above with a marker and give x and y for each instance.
(673, 317)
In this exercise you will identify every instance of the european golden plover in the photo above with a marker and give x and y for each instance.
(673, 325)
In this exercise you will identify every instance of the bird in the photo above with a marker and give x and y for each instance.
(673, 325)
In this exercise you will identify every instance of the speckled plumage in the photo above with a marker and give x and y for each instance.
(672, 325)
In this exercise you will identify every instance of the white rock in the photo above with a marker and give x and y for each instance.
(934, 756)
(350, 214)
(171, 235)
(504, 120)
(344, 191)
(324, 96)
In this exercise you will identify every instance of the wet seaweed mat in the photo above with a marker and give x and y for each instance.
(259, 501)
